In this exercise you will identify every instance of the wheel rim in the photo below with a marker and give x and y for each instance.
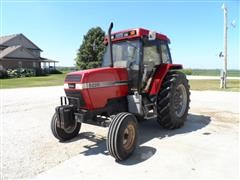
(70, 129)
(128, 137)
(180, 100)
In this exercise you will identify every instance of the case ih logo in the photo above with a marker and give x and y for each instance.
(71, 86)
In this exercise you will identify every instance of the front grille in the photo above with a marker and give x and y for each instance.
(75, 98)
(73, 78)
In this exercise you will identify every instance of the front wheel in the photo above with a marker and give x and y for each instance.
(64, 134)
(122, 136)
(173, 101)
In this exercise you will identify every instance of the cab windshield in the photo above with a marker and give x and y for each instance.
(125, 53)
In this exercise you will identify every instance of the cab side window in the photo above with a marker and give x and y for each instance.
(166, 59)
(151, 58)
(151, 55)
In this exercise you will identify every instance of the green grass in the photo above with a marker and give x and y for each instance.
(58, 79)
(232, 85)
(51, 80)
(214, 72)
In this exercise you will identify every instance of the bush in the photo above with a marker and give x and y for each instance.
(55, 71)
(21, 72)
(187, 71)
(13, 73)
(30, 73)
(3, 74)
(40, 72)
(27, 72)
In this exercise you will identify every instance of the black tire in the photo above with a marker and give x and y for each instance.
(140, 118)
(172, 109)
(122, 136)
(62, 134)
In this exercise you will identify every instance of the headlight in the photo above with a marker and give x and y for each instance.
(78, 86)
(65, 86)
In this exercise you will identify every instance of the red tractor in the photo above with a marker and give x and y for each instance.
(137, 80)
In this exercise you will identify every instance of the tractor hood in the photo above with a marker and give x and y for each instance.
(97, 86)
(98, 75)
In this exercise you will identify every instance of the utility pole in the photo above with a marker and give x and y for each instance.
(225, 28)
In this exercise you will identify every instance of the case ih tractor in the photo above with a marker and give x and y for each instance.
(137, 80)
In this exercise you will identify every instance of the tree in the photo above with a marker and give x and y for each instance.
(87, 56)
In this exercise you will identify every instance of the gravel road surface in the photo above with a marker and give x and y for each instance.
(207, 146)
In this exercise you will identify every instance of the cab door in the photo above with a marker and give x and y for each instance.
(155, 53)
(151, 60)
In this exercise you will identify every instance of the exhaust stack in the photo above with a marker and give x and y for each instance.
(110, 44)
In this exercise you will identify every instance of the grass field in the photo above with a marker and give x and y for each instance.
(57, 79)
(214, 72)
(232, 85)
(51, 80)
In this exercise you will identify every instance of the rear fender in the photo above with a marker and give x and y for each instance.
(160, 74)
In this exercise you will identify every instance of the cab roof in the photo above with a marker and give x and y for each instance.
(133, 34)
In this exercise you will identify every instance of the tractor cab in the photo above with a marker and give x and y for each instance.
(141, 52)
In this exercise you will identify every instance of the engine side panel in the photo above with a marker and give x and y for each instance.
(99, 85)
(159, 76)
(108, 86)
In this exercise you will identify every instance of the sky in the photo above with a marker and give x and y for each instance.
(195, 28)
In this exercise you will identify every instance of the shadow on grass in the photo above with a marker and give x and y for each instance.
(148, 130)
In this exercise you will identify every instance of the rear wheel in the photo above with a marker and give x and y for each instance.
(173, 101)
(122, 136)
(64, 134)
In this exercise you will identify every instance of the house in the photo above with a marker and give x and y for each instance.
(17, 51)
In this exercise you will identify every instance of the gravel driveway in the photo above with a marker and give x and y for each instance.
(28, 147)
